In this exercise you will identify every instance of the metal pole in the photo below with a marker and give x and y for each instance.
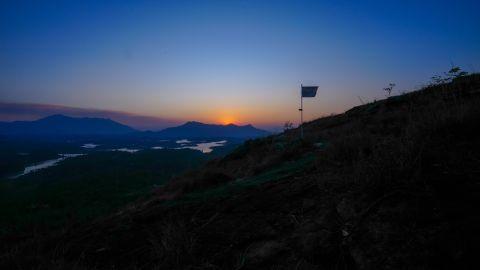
(301, 112)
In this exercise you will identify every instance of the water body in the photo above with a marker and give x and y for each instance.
(128, 150)
(89, 145)
(45, 164)
(206, 147)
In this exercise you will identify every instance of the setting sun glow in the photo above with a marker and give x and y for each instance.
(225, 120)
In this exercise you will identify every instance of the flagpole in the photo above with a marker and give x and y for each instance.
(301, 112)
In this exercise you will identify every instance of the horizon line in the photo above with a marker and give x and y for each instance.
(31, 111)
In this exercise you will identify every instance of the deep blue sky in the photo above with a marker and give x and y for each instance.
(221, 61)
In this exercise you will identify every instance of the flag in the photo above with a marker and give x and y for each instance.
(309, 91)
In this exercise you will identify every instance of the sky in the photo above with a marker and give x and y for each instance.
(166, 62)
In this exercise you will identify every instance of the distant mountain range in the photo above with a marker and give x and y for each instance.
(61, 125)
(200, 130)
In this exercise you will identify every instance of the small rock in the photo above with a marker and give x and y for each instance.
(316, 247)
(263, 251)
(320, 145)
(345, 210)
(359, 257)
(308, 204)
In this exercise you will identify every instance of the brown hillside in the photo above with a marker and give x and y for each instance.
(392, 184)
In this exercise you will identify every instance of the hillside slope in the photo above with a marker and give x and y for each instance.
(392, 184)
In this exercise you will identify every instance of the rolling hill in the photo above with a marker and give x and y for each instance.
(194, 129)
(58, 125)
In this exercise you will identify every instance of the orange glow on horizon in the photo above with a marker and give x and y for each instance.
(227, 119)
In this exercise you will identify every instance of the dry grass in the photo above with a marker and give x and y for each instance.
(374, 197)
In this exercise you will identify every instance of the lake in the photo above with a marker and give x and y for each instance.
(205, 147)
(45, 164)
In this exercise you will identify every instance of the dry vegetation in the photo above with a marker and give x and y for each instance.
(391, 184)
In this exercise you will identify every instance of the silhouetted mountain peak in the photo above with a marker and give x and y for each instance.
(54, 117)
(193, 123)
(59, 124)
(194, 129)
(57, 116)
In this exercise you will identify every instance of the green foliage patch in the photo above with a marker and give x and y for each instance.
(281, 171)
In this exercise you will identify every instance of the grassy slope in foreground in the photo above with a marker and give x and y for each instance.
(394, 185)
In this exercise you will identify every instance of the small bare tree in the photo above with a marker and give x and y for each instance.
(453, 73)
(288, 125)
(389, 89)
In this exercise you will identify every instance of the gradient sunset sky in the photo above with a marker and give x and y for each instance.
(224, 61)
